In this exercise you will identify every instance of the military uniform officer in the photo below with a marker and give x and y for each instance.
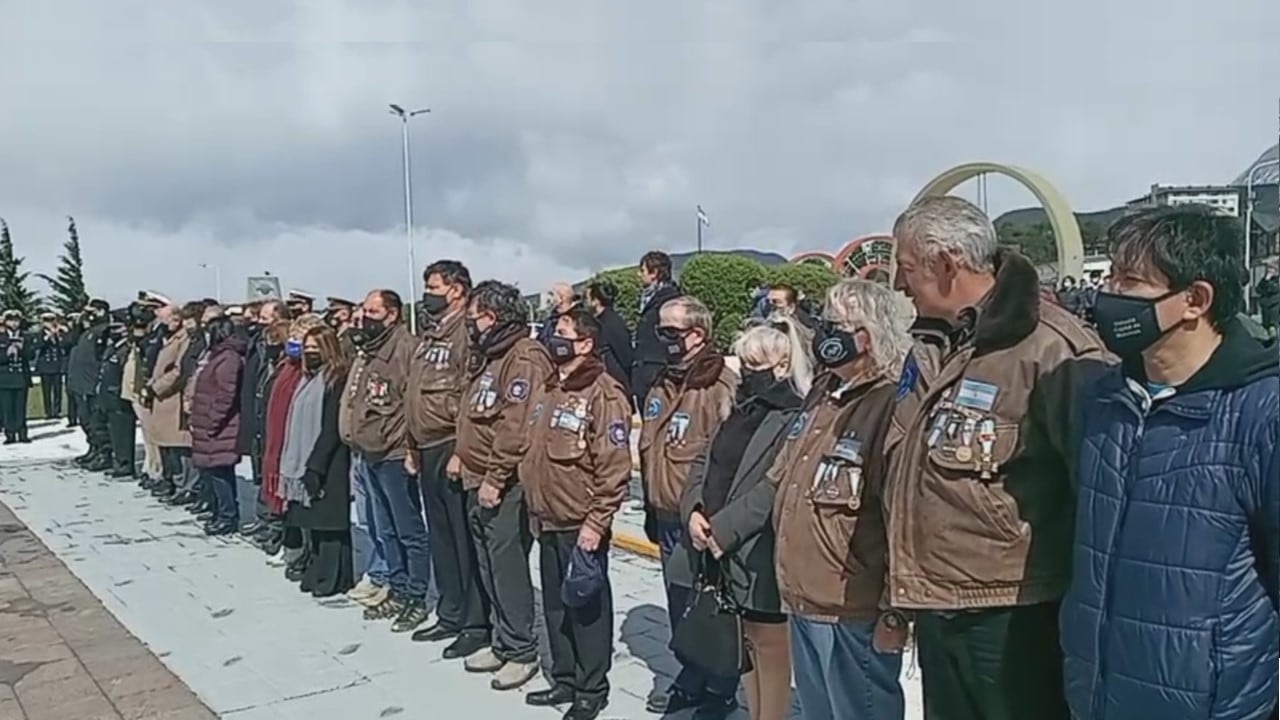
(576, 474)
(50, 352)
(437, 379)
(681, 414)
(300, 302)
(15, 378)
(115, 412)
(505, 366)
(338, 316)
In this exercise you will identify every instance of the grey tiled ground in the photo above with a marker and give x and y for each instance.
(248, 644)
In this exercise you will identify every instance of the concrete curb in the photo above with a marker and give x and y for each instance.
(636, 546)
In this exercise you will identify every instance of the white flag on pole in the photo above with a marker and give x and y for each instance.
(702, 217)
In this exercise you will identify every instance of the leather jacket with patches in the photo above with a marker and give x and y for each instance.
(437, 378)
(979, 502)
(680, 416)
(578, 466)
(493, 423)
(371, 417)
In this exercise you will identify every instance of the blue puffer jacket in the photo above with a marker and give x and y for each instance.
(1172, 610)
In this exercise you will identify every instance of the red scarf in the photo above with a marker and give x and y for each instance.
(277, 420)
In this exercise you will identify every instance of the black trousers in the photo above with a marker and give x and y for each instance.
(93, 419)
(463, 603)
(122, 432)
(503, 541)
(999, 664)
(13, 412)
(73, 409)
(581, 638)
(51, 394)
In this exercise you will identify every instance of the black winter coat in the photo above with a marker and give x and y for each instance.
(650, 355)
(328, 474)
(15, 368)
(82, 365)
(615, 347)
(248, 399)
(49, 354)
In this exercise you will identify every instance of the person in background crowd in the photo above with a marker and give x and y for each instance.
(373, 424)
(338, 317)
(979, 498)
(50, 352)
(782, 299)
(273, 492)
(262, 354)
(1175, 586)
(560, 300)
(504, 366)
(300, 303)
(82, 380)
(316, 467)
(1269, 298)
(72, 329)
(15, 378)
(576, 474)
(728, 502)
(437, 379)
(197, 316)
(163, 395)
(650, 358)
(830, 476)
(124, 420)
(215, 421)
(269, 536)
(614, 345)
(1070, 297)
(112, 411)
(1088, 293)
(148, 354)
(374, 586)
(682, 412)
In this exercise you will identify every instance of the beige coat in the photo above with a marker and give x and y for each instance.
(166, 382)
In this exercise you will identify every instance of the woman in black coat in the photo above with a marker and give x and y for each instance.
(615, 339)
(326, 519)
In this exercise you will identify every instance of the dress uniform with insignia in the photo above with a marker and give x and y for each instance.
(15, 377)
(49, 349)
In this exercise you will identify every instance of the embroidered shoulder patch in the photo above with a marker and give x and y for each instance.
(909, 377)
(518, 390)
(653, 409)
(797, 426)
(619, 433)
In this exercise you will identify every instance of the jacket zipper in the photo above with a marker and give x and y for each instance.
(1130, 476)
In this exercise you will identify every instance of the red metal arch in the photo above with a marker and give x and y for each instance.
(814, 255)
(878, 269)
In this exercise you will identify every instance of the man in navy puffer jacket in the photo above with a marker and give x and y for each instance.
(1172, 611)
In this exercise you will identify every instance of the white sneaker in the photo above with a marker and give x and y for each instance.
(514, 675)
(276, 560)
(375, 598)
(483, 661)
(362, 590)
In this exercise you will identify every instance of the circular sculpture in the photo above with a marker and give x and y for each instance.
(869, 257)
(1065, 229)
(814, 258)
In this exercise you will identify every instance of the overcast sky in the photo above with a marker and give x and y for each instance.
(568, 137)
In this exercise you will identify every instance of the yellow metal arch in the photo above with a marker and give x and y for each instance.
(1065, 228)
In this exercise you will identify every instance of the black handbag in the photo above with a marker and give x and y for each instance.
(709, 634)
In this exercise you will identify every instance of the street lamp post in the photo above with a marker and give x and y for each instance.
(1248, 229)
(405, 116)
(217, 280)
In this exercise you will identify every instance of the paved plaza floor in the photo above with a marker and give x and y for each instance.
(130, 605)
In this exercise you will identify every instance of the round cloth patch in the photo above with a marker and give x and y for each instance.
(618, 433)
(518, 390)
(653, 409)
(910, 375)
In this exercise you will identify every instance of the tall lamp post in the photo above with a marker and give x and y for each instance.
(217, 280)
(405, 116)
(1248, 229)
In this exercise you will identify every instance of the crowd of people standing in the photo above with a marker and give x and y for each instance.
(1075, 520)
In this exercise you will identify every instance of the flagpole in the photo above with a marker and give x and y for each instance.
(698, 219)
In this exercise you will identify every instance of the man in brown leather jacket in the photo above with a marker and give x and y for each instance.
(437, 379)
(980, 512)
(576, 475)
(371, 421)
(493, 434)
(680, 415)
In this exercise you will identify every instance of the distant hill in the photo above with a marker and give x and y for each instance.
(1028, 217)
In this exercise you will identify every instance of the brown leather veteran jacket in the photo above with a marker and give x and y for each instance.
(493, 427)
(980, 446)
(437, 378)
(578, 466)
(371, 417)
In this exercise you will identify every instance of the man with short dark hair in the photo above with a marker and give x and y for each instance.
(372, 422)
(614, 344)
(650, 352)
(437, 381)
(504, 367)
(1171, 612)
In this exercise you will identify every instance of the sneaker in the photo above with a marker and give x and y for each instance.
(415, 613)
(363, 589)
(389, 608)
(276, 559)
(483, 661)
(514, 675)
(379, 594)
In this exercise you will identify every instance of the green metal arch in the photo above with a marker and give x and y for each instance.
(1063, 221)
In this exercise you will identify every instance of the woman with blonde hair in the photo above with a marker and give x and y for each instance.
(728, 502)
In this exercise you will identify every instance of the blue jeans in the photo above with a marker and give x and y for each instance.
(365, 519)
(222, 481)
(397, 514)
(692, 680)
(840, 676)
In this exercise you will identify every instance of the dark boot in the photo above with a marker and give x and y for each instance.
(103, 463)
(121, 472)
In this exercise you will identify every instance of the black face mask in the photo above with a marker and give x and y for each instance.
(273, 352)
(373, 327)
(673, 343)
(834, 347)
(433, 305)
(312, 361)
(755, 383)
(561, 349)
(1128, 325)
(475, 334)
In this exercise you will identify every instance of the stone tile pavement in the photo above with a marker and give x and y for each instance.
(247, 643)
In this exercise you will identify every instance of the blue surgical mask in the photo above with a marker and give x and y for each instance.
(293, 349)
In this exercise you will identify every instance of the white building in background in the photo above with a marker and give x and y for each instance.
(1226, 199)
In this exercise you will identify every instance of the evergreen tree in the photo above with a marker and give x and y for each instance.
(69, 295)
(14, 293)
